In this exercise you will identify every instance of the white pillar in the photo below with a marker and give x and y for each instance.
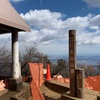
(15, 56)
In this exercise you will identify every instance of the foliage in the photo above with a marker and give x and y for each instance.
(88, 70)
(5, 61)
(32, 55)
(4, 55)
(60, 68)
(98, 68)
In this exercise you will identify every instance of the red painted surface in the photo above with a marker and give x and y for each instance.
(37, 73)
(91, 82)
(36, 93)
(48, 74)
(36, 70)
(63, 80)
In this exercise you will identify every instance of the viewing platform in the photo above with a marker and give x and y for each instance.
(24, 94)
(51, 90)
(54, 90)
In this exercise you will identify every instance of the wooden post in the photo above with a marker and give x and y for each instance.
(72, 61)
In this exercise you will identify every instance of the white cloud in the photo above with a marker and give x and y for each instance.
(49, 30)
(95, 20)
(79, 23)
(94, 27)
(43, 19)
(5, 40)
(93, 3)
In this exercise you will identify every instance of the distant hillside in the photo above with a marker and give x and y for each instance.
(88, 60)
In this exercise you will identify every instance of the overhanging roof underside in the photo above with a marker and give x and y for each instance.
(7, 29)
(10, 18)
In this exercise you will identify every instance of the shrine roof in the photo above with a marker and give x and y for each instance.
(10, 19)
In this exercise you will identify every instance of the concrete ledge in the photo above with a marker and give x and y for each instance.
(92, 92)
(98, 97)
(3, 92)
(64, 90)
(15, 84)
(57, 86)
(24, 94)
(67, 97)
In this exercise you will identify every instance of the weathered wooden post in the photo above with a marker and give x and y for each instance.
(80, 82)
(72, 61)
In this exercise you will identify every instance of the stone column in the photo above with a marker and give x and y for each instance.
(80, 82)
(98, 97)
(15, 56)
(15, 83)
(72, 61)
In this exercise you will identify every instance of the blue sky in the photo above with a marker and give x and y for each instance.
(50, 21)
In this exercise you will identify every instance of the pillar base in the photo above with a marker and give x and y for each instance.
(98, 97)
(15, 84)
(80, 93)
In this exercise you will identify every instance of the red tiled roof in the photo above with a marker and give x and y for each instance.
(91, 82)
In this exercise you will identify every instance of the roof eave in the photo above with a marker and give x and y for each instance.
(14, 25)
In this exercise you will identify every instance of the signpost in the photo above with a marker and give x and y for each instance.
(72, 61)
(80, 83)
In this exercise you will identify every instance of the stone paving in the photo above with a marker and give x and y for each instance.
(51, 95)
(24, 94)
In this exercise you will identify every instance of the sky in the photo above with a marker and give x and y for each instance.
(50, 22)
